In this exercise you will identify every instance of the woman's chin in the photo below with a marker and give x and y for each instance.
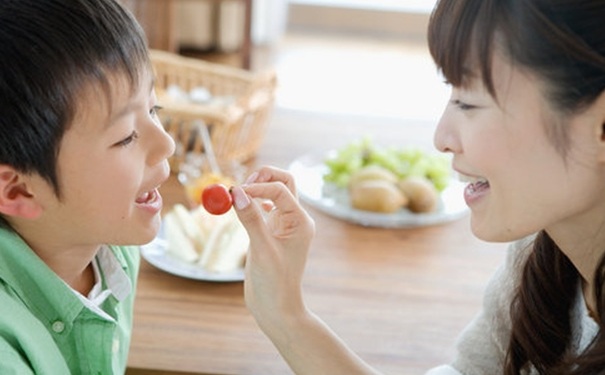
(495, 232)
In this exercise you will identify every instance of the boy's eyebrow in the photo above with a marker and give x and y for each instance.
(129, 107)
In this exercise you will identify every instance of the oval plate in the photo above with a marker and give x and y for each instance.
(156, 253)
(308, 171)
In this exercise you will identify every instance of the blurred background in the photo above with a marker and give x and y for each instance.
(351, 57)
(345, 69)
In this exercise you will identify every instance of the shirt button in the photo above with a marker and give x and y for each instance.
(58, 326)
(116, 346)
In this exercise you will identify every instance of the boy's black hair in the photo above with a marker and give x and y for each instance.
(49, 51)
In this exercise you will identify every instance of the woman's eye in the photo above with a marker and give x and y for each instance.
(128, 140)
(463, 106)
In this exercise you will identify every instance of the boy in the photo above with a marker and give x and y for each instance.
(82, 154)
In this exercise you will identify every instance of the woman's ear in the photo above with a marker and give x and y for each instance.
(16, 199)
(600, 113)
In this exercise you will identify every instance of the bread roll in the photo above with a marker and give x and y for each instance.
(377, 196)
(422, 194)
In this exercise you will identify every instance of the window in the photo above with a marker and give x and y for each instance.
(414, 6)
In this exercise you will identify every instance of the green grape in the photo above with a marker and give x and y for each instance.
(404, 162)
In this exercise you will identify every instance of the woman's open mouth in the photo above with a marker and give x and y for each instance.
(477, 187)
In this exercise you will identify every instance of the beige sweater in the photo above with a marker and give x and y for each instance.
(482, 345)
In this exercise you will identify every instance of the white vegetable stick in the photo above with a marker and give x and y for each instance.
(213, 243)
(205, 221)
(189, 226)
(233, 249)
(178, 243)
(226, 246)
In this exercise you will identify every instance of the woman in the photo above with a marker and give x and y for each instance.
(526, 128)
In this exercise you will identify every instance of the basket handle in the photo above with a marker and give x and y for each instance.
(207, 142)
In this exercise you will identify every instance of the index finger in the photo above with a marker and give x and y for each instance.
(267, 174)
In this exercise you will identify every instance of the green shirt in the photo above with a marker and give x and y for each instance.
(46, 329)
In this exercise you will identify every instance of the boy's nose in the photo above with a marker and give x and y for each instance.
(169, 144)
(163, 145)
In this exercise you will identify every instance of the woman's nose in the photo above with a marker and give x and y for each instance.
(446, 137)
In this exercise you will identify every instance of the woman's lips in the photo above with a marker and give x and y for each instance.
(477, 188)
(475, 191)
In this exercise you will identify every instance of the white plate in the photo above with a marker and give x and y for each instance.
(156, 253)
(308, 171)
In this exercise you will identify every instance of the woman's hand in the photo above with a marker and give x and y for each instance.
(280, 233)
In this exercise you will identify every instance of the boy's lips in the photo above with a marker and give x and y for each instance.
(150, 200)
(147, 196)
(153, 195)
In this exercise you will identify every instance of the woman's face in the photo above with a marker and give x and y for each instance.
(520, 181)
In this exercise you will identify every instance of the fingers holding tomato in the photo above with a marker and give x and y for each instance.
(218, 199)
(274, 191)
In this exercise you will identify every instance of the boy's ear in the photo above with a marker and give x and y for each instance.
(16, 198)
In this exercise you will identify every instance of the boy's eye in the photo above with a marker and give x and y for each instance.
(154, 110)
(128, 140)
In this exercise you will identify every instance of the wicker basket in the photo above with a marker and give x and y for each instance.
(236, 128)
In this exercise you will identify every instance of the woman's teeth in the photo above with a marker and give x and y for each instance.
(478, 185)
(474, 182)
(471, 179)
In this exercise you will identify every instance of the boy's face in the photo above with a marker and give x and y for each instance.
(110, 164)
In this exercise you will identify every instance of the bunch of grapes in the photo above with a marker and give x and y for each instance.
(404, 162)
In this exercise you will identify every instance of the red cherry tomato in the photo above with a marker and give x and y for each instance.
(216, 199)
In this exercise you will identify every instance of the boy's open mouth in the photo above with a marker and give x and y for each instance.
(148, 197)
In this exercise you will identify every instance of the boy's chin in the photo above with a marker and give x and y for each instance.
(141, 238)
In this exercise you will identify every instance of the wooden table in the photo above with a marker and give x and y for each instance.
(398, 297)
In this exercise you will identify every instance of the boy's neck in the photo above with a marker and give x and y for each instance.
(84, 283)
(80, 277)
(72, 264)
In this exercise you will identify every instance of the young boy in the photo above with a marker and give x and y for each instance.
(82, 155)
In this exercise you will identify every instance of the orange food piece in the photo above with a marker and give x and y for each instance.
(195, 188)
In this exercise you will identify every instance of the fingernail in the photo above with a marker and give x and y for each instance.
(251, 178)
(240, 198)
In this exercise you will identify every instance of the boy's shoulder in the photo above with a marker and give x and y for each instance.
(24, 341)
(29, 297)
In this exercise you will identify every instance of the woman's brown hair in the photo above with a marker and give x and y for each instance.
(562, 42)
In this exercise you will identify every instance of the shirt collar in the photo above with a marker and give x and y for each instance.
(110, 279)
